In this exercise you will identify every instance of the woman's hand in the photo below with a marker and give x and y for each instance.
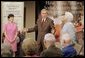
(11, 41)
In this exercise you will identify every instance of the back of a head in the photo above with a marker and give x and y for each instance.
(49, 37)
(29, 46)
(52, 50)
(6, 50)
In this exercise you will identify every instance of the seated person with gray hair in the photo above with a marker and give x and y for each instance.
(51, 49)
(68, 49)
(29, 47)
(6, 50)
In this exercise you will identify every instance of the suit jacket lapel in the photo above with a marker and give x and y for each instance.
(45, 22)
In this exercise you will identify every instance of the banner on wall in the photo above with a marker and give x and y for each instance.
(16, 8)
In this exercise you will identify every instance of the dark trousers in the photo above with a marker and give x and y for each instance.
(40, 47)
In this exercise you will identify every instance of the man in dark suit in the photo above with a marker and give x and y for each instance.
(44, 25)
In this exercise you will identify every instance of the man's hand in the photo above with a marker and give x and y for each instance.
(25, 30)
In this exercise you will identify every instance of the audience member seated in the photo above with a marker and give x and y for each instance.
(68, 50)
(6, 50)
(51, 49)
(21, 36)
(29, 47)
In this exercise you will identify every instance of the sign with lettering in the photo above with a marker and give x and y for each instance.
(16, 8)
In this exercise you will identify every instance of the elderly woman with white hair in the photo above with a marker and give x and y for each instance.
(51, 49)
(49, 40)
(68, 26)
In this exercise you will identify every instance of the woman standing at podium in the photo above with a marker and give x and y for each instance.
(10, 31)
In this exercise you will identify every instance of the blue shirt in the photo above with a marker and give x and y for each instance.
(69, 51)
(70, 29)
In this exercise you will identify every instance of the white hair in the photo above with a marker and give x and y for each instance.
(69, 16)
(49, 37)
